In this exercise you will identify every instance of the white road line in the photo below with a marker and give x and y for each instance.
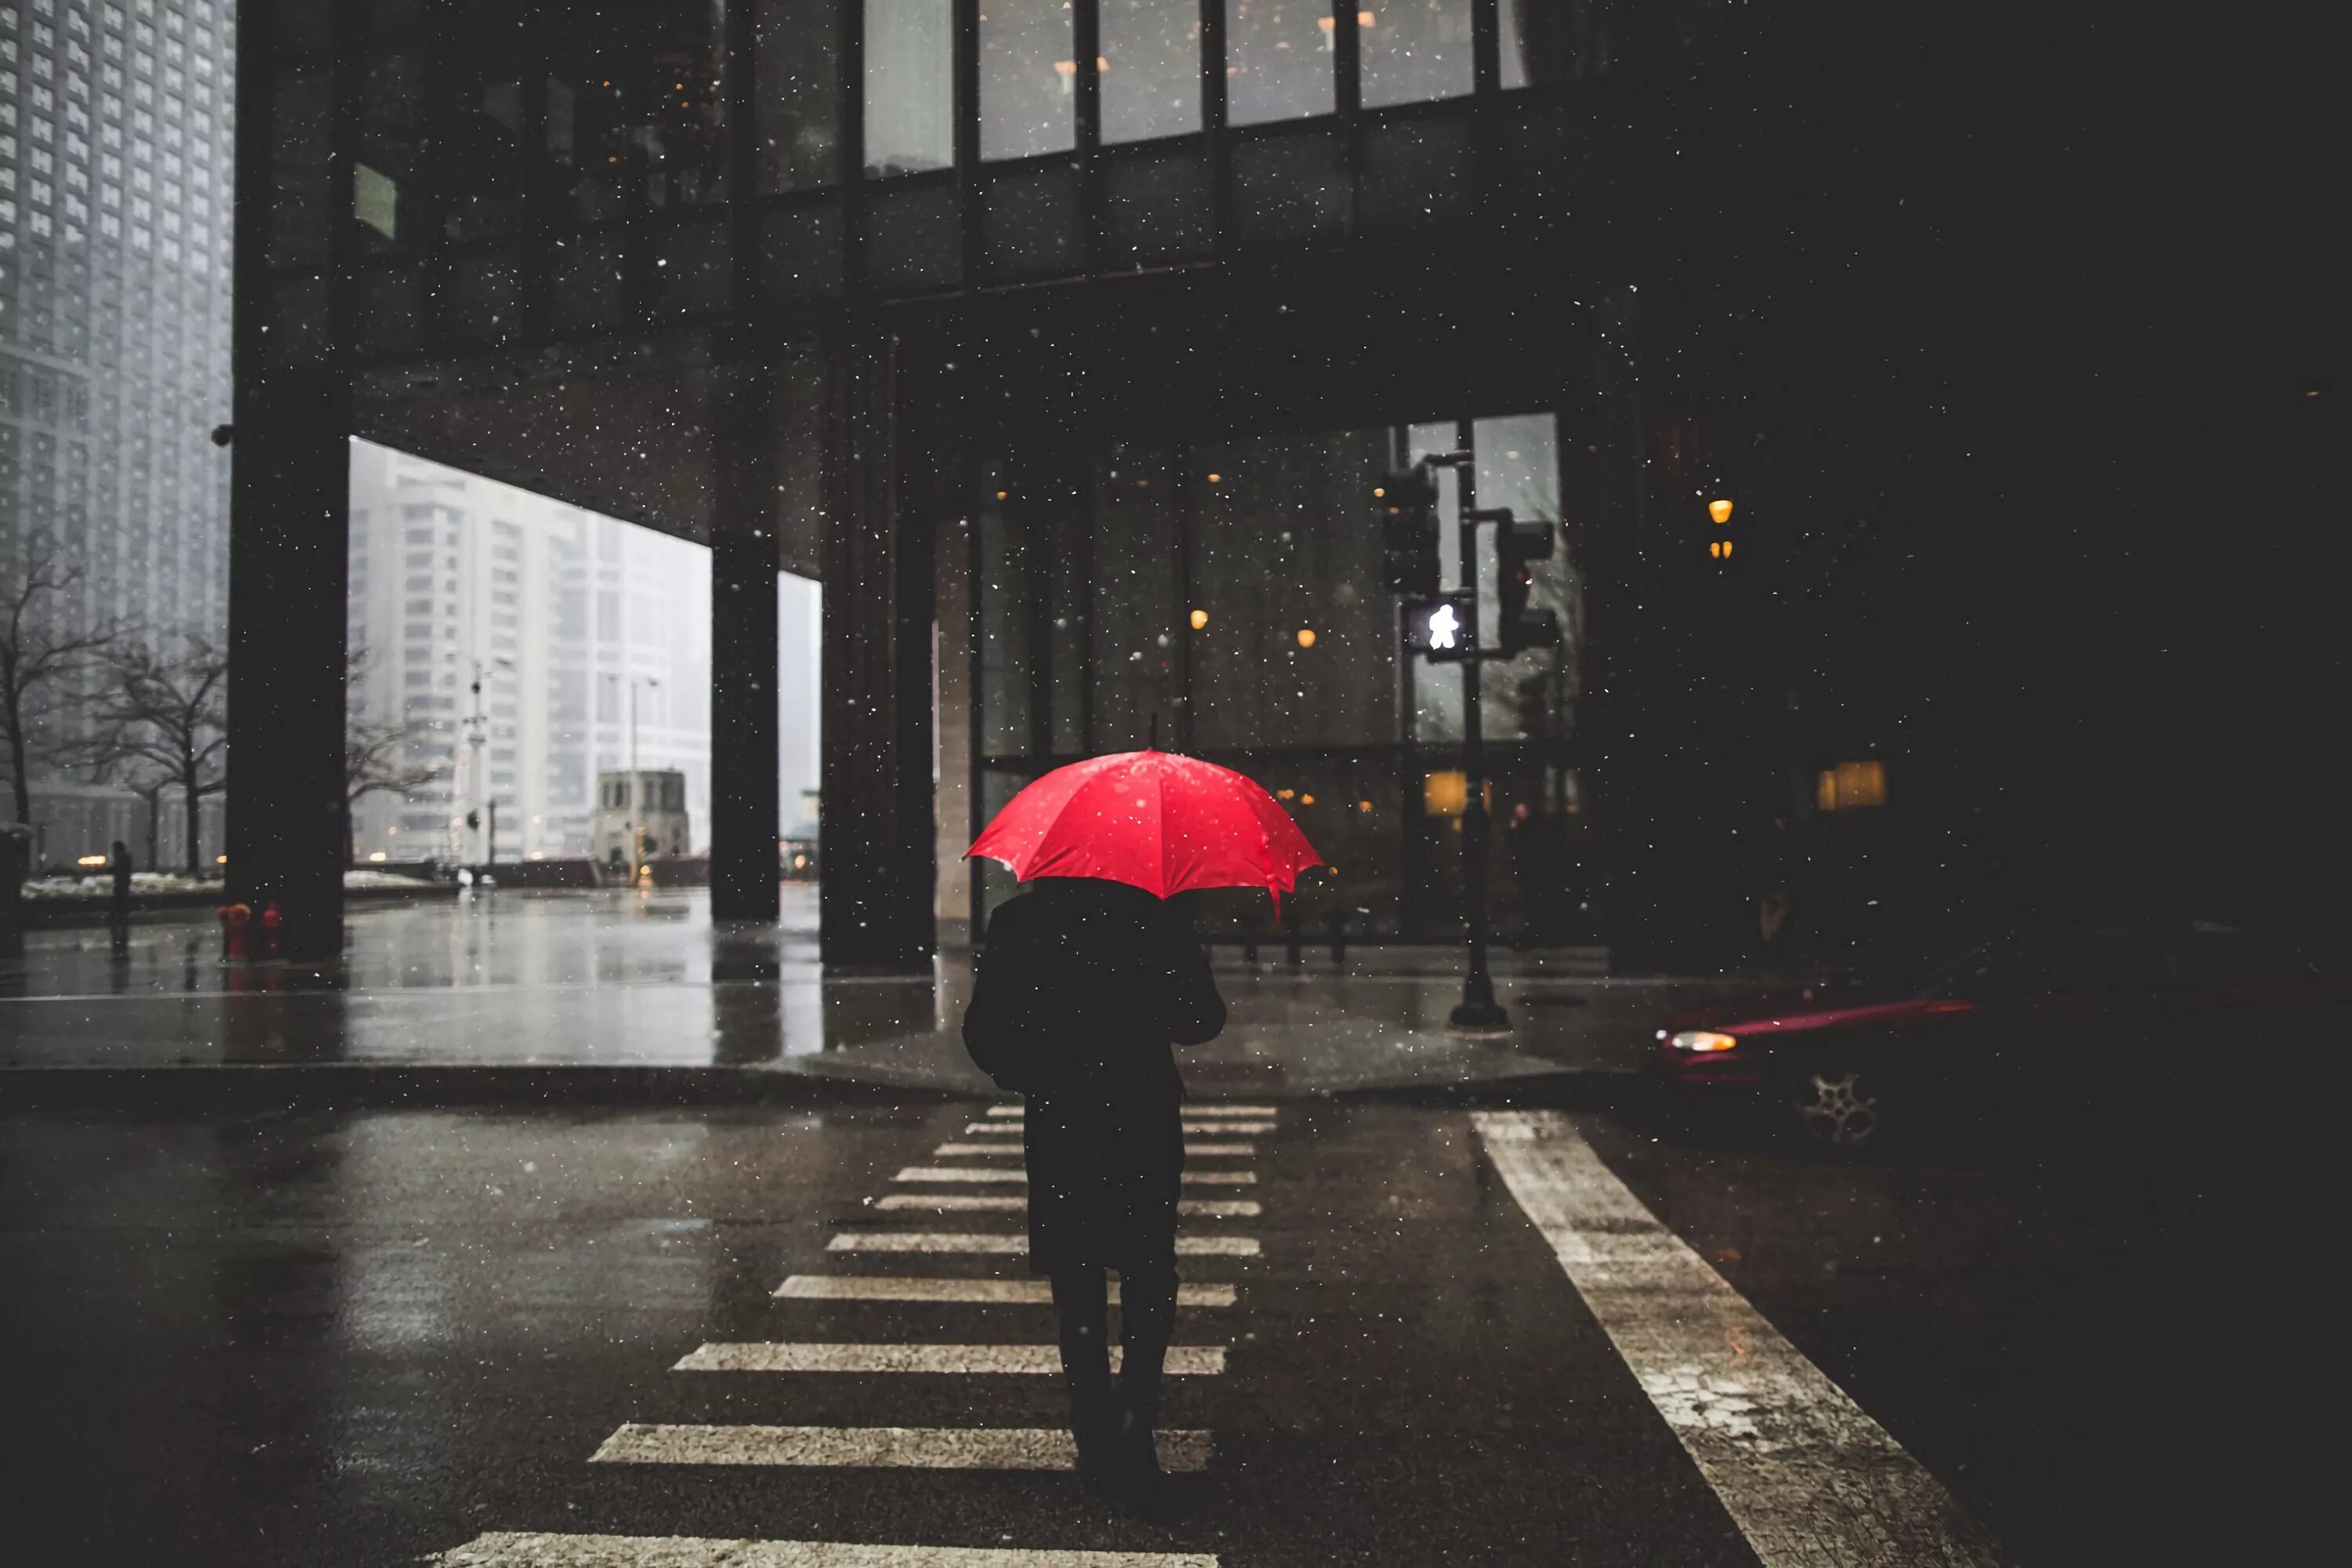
(866, 1448)
(972, 1150)
(1013, 1241)
(518, 1549)
(1809, 1478)
(991, 1203)
(1192, 1129)
(1191, 1113)
(955, 1173)
(1013, 1292)
(959, 1361)
(1019, 1178)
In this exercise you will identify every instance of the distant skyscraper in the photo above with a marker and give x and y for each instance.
(115, 152)
(588, 637)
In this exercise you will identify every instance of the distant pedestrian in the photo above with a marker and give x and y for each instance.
(118, 863)
(1083, 986)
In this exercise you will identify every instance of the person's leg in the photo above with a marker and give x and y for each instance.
(1147, 1318)
(1081, 1311)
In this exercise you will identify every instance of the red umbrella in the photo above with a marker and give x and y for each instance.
(1161, 822)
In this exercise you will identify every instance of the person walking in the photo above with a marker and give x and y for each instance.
(118, 863)
(1082, 989)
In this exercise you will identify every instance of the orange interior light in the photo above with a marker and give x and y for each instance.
(1719, 509)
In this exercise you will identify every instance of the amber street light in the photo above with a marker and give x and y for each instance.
(1306, 636)
(1200, 619)
(1719, 509)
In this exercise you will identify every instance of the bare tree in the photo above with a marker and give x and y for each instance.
(38, 654)
(376, 753)
(160, 718)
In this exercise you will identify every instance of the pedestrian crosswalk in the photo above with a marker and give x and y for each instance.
(1004, 1292)
(953, 1361)
(525, 1549)
(1222, 1136)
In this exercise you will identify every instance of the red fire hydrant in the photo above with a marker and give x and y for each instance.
(271, 923)
(234, 919)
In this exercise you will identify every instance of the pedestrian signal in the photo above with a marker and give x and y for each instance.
(1444, 627)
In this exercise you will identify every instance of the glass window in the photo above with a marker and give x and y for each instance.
(800, 94)
(909, 123)
(1028, 79)
(1151, 69)
(1277, 60)
(1413, 50)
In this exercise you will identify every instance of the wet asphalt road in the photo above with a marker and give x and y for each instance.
(370, 1337)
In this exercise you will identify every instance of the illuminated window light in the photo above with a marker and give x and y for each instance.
(1719, 509)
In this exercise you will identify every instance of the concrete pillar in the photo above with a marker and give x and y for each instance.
(890, 468)
(744, 779)
(290, 540)
(289, 516)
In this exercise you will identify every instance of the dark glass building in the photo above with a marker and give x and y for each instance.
(1066, 344)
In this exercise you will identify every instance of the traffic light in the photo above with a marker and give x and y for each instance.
(1516, 542)
(1439, 627)
(1409, 529)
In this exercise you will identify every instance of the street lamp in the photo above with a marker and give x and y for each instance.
(476, 726)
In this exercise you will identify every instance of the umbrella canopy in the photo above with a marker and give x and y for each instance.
(1161, 822)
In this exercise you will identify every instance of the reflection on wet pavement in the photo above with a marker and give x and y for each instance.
(635, 979)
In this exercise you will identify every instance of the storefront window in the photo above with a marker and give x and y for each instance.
(910, 87)
(1413, 50)
(1151, 69)
(1028, 81)
(800, 94)
(1277, 60)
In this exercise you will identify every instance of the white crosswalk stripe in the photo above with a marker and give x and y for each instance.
(976, 1150)
(992, 1203)
(1007, 1149)
(1016, 1292)
(538, 1550)
(952, 1174)
(1192, 1129)
(1192, 1112)
(1013, 1241)
(870, 1447)
(959, 1360)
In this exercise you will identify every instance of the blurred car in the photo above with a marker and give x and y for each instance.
(2052, 1023)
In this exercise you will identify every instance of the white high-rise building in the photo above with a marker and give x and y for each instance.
(590, 640)
(115, 188)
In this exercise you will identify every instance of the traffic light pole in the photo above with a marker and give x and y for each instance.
(1479, 1010)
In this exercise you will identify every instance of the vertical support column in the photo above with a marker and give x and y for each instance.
(289, 543)
(888, 472)
(290, 509)
(744, 771)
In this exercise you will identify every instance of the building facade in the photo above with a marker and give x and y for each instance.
(115, 217)
(1065, 343)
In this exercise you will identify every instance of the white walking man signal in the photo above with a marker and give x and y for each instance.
(1443, 625)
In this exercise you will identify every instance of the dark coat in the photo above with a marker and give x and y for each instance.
(1081, 989)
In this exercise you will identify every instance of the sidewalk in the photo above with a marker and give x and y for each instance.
(636, 994)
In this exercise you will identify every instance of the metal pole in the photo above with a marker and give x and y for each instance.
(1479, 1010)
(476, 792)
